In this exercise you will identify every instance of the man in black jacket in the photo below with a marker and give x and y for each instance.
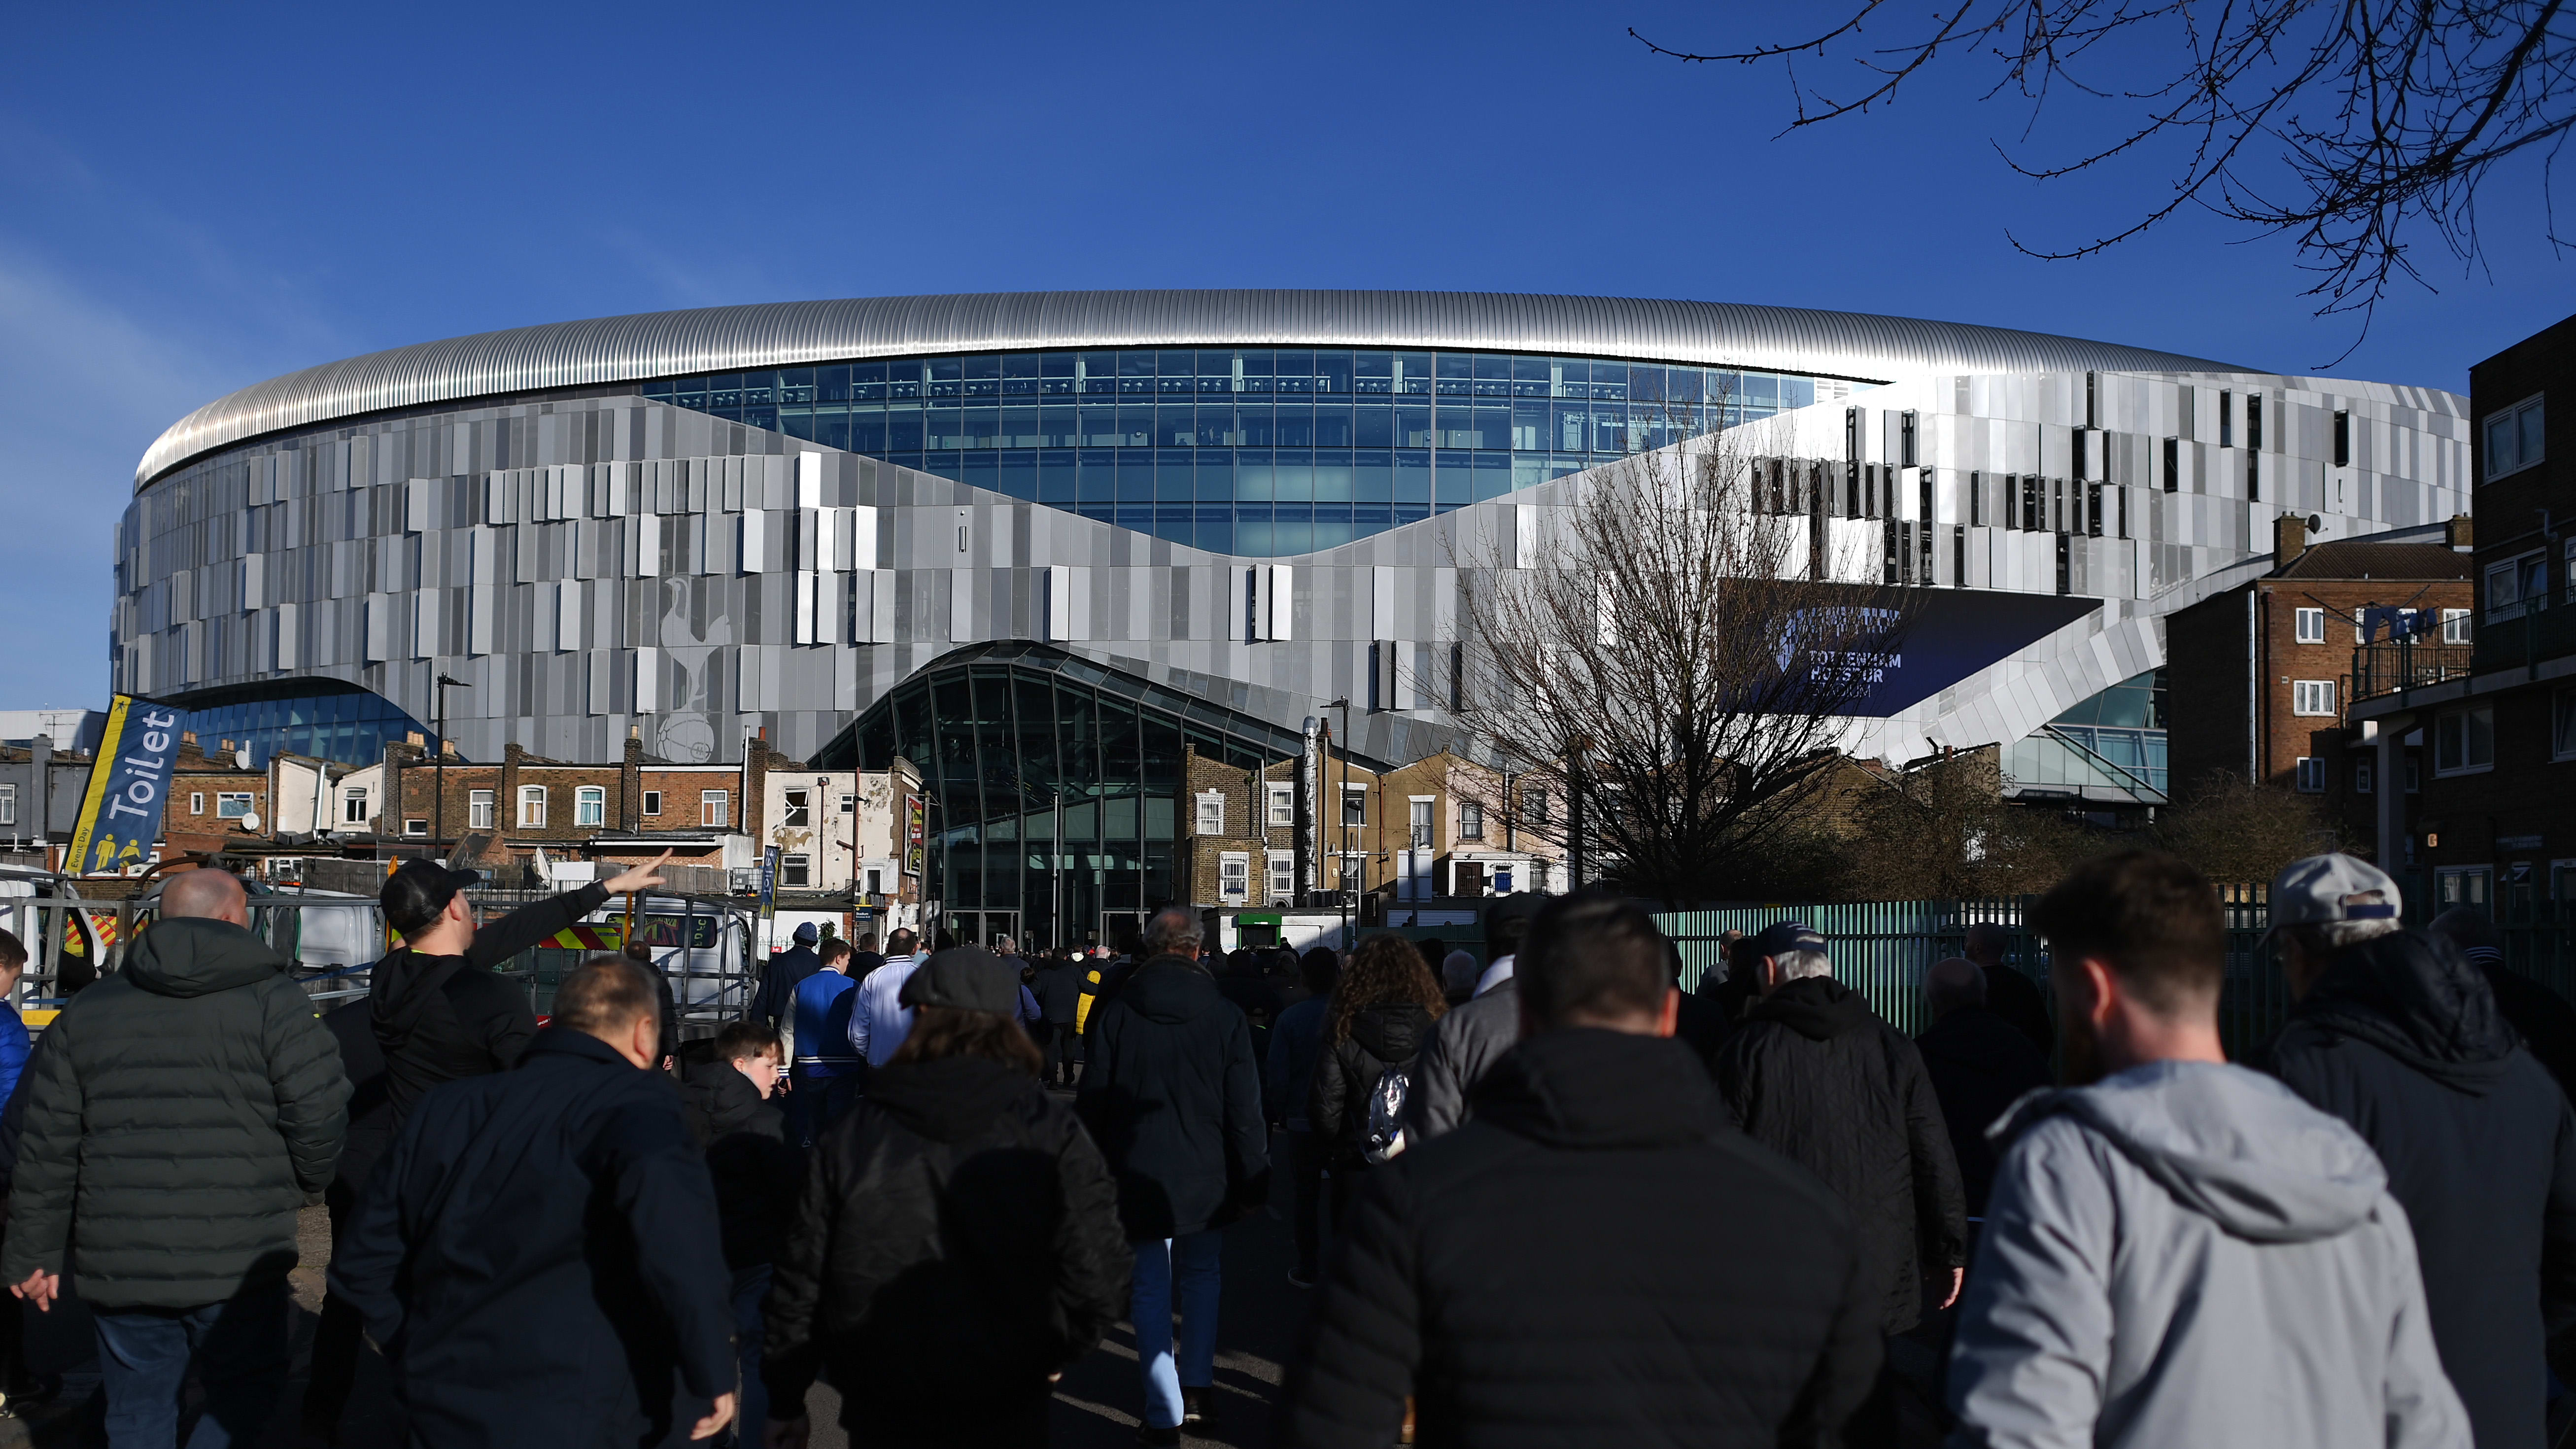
(439, 1011)
(1818, 1077)
(1173, 1097)
(539, 1255)
(336, 1338)
(1979, 1065)
(2009, 994)
(180, 1112)
(1059, 993)
(1544, 1275)
(2396, 1034)
(2542, 1016)
(774, 1005)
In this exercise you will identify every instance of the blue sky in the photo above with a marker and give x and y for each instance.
(195, 199)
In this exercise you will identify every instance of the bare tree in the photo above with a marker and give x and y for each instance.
(1665, 657)
(2241, 833)
(1941, 829)
(2343, 124)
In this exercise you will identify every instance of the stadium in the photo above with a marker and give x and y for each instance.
(1043, 542)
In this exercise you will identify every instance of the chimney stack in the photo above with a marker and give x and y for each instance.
(2289, 540)
(2459, 534)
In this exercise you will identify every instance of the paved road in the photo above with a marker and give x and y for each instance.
(1095, 1407)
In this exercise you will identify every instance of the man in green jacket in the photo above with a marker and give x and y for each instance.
(180, 1112)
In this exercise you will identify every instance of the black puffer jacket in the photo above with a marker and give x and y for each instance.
(1816, 1076)
(1173, 1096)
(1544, 1275)
(1390, 1034)
(957, 1241)
(2402, 1039)
(1462, 1047)
(440, 1018)
(755, 1171)
(182, 1109)
(1980, 1064)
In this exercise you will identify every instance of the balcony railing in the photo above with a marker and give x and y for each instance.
(2391, 665)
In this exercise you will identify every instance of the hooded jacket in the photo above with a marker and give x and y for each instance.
(439, 1018)
(1464, 1045)
(774, 1005)
(957, 1240)
(1389, 1034)
(2402, 1039)
(180, 1112)
(1980, 1064)
(1817, 1077)
(1171, 1094)
(2186, 1253)
(538, 1258)
(744, 1136)
(1544, 1275)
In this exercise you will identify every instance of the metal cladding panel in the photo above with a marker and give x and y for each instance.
(772, 334)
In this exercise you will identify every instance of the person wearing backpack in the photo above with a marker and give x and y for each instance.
(1381, 1012)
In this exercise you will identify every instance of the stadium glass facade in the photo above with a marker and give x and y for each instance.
(1256, 452)
(1052, 782)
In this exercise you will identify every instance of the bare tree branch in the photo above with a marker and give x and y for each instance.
(2417, 102)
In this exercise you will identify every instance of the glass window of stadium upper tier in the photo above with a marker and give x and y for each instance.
(1249, 451)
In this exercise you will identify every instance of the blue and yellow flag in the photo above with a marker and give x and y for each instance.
(121, 812)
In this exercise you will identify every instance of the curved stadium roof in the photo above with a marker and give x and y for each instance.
(785, 334)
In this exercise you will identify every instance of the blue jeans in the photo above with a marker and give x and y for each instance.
(1194, 1264)
(238, 1349)
(750, 1285)
(816, 1102)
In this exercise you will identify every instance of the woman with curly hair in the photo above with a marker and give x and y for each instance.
(1381, 1011)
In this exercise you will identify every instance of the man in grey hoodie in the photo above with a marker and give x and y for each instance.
(2179, 1251)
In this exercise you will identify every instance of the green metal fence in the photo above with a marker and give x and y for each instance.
(1881, 949)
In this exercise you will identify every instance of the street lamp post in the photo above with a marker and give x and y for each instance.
(1342, 815)
(438, 807)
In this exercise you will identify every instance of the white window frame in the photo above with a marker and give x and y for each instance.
(1421, 822)
(715, 808)
(353, 806)
(1234, 877)
(480, 808)
(2512, 459)
(2309, 626)
(196, 802)
(1471, 820)
(2446, 896)
(849, 803)
(2462, 719)
(796, 809)
(1282, 802)
(590, 805)
(234, 804)
(2510, 584)
(416, 825)
(2313, 697)
(1280, 875)
(652, 802)
(1354, 806)
(532, 807)
(793, 865)
(1209, 818)
(2312, 775)
(8, 804)
(2458, 626)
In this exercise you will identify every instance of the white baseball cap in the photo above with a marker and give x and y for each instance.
(2327, 888)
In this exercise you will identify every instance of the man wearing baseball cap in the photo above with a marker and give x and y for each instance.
(2397, 1034)
(438, 1010)
(1816, 1076)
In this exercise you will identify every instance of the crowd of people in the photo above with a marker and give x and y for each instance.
(1540, 1193)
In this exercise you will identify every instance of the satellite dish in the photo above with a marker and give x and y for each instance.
(250, 823)
(2316, 524)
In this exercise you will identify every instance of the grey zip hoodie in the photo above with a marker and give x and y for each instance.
(2187, 1253)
